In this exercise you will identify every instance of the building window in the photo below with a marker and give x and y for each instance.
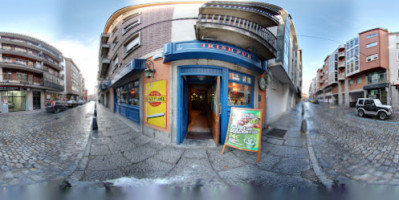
(130, 26)
(115, 62)
(114, 43)
(130, 16)
(376, 77)
(350, 82)
(20, 61)
(239, 89)
(129, 93)
(371, 35)
(373, 44)
(359, 81)
(132, 43)
(372, 58)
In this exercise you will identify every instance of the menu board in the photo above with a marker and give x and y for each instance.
(245, 130)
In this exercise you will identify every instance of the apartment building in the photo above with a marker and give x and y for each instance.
(358, 69)
(165, 65)
(73, 80)
(30, 73)
(394, 70)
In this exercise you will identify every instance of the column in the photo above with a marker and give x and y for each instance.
(339, 94)
(42, 97)
(29, 100)
(346, 93)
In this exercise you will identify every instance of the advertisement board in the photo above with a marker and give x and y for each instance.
(155, 103)
(245, 130)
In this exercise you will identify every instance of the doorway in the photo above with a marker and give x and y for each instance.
(36, 100)
(201, 108)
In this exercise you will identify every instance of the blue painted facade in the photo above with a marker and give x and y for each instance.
(130, 112)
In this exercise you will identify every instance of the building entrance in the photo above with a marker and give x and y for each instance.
(36, 100)
(202, 108)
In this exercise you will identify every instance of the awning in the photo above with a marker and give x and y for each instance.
(375, 86)
(137, 65)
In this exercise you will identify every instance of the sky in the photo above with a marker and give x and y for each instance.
(74, 26)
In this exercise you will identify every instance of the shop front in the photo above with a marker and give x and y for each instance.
(377, 91)
(14, 98)
(205, 93)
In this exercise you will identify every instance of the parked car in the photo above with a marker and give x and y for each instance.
(72, 103)
(56, 106)
(315, 101)
(373, 107)
(81, 102)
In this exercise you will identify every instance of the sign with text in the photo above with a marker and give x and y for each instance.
(245, 130)
(155, 103)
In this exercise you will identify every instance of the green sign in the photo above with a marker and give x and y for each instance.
(245, 130)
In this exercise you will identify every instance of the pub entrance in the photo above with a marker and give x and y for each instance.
(200, 118)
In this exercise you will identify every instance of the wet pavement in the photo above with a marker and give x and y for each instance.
(116, 150)
(351, 149)
(39, 146)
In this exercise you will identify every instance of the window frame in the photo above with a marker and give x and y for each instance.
(130, 26)
(372, 44)
(372, 35)
(241, 81)
(371, 58)
(133, 48)
(128, 86)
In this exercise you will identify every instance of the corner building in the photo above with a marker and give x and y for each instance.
(177, 69)
(30, 73)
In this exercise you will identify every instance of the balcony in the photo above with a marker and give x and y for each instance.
(341, 64)
(25, 54)
(341, 55)
(55, 65)
(341, 47)
(104, 49)
(261, 14)
(53, 86)
(104, 65)
(239, 32)
(341, 77)
(20, 66)
(21, 83)
(104, 38)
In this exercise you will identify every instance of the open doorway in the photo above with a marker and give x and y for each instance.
(202, 108)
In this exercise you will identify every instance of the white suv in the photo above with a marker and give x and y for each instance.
(367, 106)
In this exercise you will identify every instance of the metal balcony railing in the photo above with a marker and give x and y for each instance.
(244, 8)
(242, 24)
(34, 44)
(375, 79)
(5, 80)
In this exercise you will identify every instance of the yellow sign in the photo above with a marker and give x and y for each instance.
(155, 103)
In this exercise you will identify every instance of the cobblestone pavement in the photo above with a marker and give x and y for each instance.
(117, 150)
(351, 149)
(39, 146)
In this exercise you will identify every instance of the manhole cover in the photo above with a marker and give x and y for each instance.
(277, 133)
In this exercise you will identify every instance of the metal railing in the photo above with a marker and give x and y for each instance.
(244, 8)
(39, 55)
(242, 24)
(5, 79)
(41, 46)
(373, 79)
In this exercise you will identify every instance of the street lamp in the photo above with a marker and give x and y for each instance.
(149, 69)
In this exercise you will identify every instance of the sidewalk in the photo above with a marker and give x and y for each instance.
(22, 112)
(116, 150)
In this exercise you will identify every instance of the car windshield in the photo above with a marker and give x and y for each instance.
(377, 102)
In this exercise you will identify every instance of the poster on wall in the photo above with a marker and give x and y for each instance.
(245, 130)
(155, 103)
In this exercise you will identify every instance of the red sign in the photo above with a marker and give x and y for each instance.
(155, 98)
(226, 48)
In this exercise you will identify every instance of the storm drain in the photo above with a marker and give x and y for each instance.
(280, 133)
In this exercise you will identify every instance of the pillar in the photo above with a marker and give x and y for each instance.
(339, 94)
(42, 98)
(29, 100)
(346, 93)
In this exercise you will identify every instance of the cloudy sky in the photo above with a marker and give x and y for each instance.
(74, 26)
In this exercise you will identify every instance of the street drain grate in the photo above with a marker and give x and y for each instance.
(280, 133)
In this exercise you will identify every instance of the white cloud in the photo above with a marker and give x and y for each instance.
(85, 57)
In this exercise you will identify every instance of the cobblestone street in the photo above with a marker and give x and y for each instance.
(350, 148)
(41, 146)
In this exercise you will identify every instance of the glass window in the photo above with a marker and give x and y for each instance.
(115, 62)
(372, 44)
(239, 94)
(129, 94)
(234, 76)
(131, 25)
(359, 81)
(246, 79)
(132, 43)
(371, 35)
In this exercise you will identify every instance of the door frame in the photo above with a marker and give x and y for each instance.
(195, 70)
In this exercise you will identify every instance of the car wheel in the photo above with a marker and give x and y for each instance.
(360, 113)
(382, 115)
